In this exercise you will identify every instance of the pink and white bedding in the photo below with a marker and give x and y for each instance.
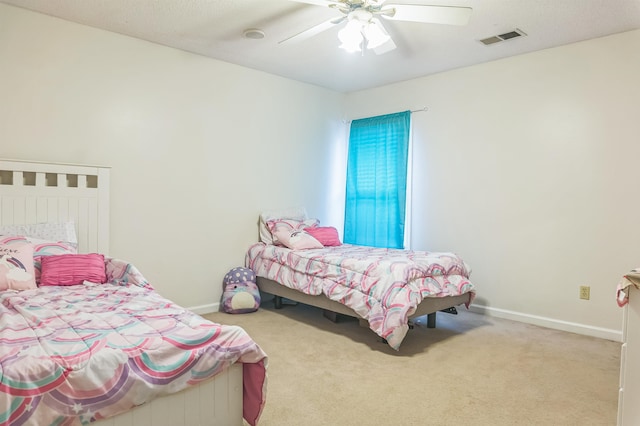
(71, 355)
(383, 286)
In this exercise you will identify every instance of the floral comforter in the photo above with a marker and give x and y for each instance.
(72, 355)
(383, 286)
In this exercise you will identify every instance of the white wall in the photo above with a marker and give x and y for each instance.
(198, 147)
(524, 166)
(528, 168)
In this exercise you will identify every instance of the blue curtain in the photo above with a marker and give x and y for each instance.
(377, 181)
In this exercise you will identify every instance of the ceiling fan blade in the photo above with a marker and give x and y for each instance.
(317, 29)
(450, 15)
(327, 3)
(388, 46)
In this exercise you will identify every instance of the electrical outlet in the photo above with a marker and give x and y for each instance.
(584, 292)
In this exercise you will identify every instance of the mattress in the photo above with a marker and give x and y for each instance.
(383, 286)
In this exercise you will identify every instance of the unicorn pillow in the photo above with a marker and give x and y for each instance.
(16, 266)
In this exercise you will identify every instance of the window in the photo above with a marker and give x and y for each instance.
(376, 187)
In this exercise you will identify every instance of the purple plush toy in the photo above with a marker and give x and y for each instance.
(241, 294)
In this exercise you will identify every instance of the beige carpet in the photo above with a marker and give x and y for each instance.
(471, 370)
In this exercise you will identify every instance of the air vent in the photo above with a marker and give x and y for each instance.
(502, 37)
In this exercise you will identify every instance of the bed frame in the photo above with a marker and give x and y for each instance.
(429, 306)
(215, 402)
(35, 192)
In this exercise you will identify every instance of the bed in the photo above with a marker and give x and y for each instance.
(110, 350)
(385, 288)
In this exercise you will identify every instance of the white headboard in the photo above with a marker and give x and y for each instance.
(33, 192)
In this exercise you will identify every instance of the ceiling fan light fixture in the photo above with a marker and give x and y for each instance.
(375, 34)
(351, 36)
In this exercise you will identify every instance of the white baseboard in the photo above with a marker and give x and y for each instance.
(205, 309)
(573, 327)
(587, 330)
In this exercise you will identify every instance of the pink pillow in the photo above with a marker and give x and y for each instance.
(16, 266)
(41, 248)
(296, 240)
(72, 269)
(327, 235)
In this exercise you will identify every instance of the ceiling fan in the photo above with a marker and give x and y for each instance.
(364, 27)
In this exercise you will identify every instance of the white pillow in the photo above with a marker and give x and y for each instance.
(51, 231)
(297, 213)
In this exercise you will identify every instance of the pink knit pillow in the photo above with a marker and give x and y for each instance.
(327, 235)
(72, 269)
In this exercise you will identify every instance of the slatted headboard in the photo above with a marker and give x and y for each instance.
(33, 192)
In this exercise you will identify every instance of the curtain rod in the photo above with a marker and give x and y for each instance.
(412, 111)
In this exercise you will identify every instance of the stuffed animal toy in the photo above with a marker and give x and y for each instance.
(241, 294)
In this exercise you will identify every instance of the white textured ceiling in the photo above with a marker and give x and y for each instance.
(214, 28)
